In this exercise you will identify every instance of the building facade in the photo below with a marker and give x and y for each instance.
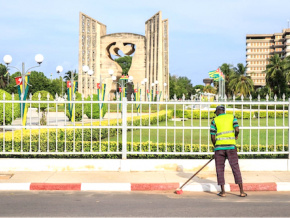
(260, 47)
(150, 56)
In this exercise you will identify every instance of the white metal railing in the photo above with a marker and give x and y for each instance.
(159, 128)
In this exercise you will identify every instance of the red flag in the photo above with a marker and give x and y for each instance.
(218, 70)
(98, 86)
(135, 90)
(68, 84)
(18, 80)
(120, 89)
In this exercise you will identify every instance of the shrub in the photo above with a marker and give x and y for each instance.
(42, 106)
(195, 114)
(78, 108)
(8, 109)
(112, 146)
(95, 108)
(271, 114)
(80, 133)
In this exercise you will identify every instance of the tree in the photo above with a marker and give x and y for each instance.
(68, 75)
(240, 83)
(184, 87)
(209, 89)
(197, 88)
(172, 86)
(125, 63)
(228, 71)
(4, 76)
(287, 68)
(38, 82)
(276, 74)
(55, 86)
(12, 88)
(180, 86)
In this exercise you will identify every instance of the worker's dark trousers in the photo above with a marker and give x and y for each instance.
(220, 158)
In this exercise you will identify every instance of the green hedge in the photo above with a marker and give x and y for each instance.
(271, 114)
(195, 114)
(80, 133)
(114, 147)
(95, 108)
(8, 109)
(78, 109)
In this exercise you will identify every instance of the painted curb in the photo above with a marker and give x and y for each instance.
(56, 186)
(192, 187)
(153, 186)
(255, 187)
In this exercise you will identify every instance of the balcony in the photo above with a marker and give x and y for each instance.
(260, 40)
(259, 84)
(258, 53)
(260, 46)
(278, 46)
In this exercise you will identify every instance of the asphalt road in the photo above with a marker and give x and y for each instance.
(145, 204)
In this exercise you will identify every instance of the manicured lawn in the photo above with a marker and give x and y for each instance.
(195, 136)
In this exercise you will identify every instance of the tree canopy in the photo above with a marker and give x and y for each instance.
(179, 86)
(277, 74)
(4, 76)
(240, 83)
(125, 63)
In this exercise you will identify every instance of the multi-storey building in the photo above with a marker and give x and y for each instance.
(260, 47)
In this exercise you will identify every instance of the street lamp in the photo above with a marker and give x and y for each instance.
(122, 83)
(8, 59)
(90, 72)
(59, 69)
(145, 80)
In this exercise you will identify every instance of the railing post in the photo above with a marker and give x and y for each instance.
(124, 128)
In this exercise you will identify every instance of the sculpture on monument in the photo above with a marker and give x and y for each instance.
(149, 56)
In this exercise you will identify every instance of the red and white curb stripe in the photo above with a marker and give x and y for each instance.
(195, 187)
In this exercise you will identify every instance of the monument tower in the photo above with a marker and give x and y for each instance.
(150, 56)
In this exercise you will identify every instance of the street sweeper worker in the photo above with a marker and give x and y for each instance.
(224, 130)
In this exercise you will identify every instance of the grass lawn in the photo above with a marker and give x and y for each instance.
(194, 136)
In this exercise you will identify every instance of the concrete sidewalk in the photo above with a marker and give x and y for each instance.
(134, 181)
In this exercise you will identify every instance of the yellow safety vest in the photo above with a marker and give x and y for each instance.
(225, 130)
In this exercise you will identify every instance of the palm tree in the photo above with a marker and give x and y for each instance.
(209, 89)
(228, 71)
(276, 74)
(68, 75)
(240, 83)
(287, 68)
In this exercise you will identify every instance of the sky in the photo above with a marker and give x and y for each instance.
(202, 34)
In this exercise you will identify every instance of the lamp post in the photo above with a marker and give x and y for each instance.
(90, 73)
(165, 84)
(145, 80)
(59, 69)
(8, 59)
(123, 83)
(152, 91)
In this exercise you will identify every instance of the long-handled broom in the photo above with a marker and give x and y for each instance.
(179, 191)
